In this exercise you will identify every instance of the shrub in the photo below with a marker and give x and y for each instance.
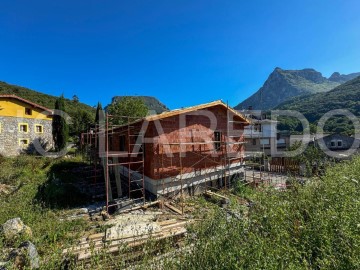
(315, 226)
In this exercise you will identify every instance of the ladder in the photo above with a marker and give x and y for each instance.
(135, 166)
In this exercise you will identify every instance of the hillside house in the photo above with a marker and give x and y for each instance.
(183, 151)
(342, 146)
(262, 136)
(23, 126)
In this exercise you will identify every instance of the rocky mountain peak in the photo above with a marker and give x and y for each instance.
(342, 78)
(283, 85)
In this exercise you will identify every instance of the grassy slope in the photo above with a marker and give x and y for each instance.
(316, 226)
(307, 86)
(49, 233)
(43, 99)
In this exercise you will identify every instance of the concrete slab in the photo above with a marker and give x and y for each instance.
(131, 225)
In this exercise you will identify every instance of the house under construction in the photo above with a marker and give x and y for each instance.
(176, 153)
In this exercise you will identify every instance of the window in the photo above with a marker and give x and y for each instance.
(122, 141)
(217, 140)
(339, 143)
(332, 144)
(254, 141)
(23, 142)
(39, 129)
(110, 146)
(142, 150)
(264, 141)
(23, 127)
(28, 111)
(257, 127)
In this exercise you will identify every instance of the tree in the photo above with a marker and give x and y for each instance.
(81, 122)
(312, 157)
(99, 111)
(131, 107)
(60, 129)
(75, 99)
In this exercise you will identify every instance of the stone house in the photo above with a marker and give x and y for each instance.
(25, 127)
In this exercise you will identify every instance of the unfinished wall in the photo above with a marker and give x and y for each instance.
(195, 156)
(202, 159)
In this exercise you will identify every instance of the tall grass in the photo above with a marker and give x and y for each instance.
(316, 226)
(50, 234)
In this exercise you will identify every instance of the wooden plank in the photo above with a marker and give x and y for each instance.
(145, 206)
(77, 249)
(173, 208)
(177, 225)
(167, 222)
(115, 248)
(96, 236)
(217, 196)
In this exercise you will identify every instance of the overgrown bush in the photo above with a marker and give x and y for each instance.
(315, 226)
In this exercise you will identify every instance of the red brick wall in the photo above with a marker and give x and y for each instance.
(195, 157)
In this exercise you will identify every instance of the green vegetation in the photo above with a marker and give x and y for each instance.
(99, 111)
(51, 230)
(59, 190)
(315, 226)
(343, 78)
(308, 80)
(60, 128)
(283, 85)
(131, 107)
(314, 159)
(81, 122)
(345, 96)
(45, 100)
(151, 103)
(311, 226)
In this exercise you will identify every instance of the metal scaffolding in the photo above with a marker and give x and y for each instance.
(124, 170)
(204, 154)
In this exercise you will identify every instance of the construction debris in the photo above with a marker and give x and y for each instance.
(130, 230)
(132, 225)
(216, 197)
(180, 212)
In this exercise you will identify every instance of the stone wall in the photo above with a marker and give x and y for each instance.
(10, 136)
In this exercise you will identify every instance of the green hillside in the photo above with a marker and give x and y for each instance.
(152, 103)
(72, 107)
(345, 96)
(283, 84)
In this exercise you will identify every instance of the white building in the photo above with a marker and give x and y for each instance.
(262, 136)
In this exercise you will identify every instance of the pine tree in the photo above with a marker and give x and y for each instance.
(60, 128)
(99, 111)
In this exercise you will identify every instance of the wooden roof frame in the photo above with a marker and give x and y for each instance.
(176, 112)
(196, 108)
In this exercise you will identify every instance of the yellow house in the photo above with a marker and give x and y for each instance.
(24, 126)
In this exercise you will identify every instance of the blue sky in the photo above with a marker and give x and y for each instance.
(182, 52)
